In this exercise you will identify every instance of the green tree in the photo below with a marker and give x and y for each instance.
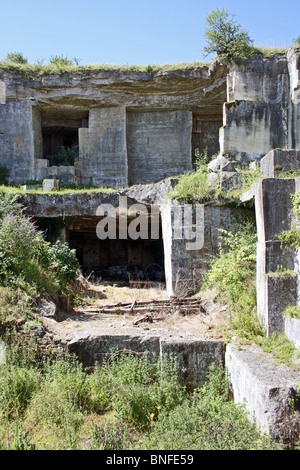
(297, 41)
(225, 37)
(16, 57)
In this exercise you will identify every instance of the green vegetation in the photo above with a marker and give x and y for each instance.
(27, 260)
(67, 156)
(128, 403)
(292, 312)
(297, 41)
(292, 236)
(16, 57)
(233, 273)
(62, 61)
(39, 69)
(226, 38)
(281, 349)
(193, 187)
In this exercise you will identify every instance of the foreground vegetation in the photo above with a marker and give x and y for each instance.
(49, 401)
(129, 403)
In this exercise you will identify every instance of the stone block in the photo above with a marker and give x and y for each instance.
(193, 357)
(50, 185)
(273, 207)
(292, 330)
(278, 161)
(281, 292)
(91, 349)
(265, 388)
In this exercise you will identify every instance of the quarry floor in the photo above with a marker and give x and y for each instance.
(84, 320)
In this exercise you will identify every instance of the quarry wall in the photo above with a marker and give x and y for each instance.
(137, 127)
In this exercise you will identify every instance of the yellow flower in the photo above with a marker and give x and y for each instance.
(152, 415)
(158, 408)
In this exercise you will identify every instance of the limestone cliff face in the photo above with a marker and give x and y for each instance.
(137, 127)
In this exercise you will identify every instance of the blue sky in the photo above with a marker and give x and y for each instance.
(135, 32)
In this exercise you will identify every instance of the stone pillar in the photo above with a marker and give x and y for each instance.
(187, 259)
(275, 289)
(102, 149)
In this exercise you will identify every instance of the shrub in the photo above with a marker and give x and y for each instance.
(233, 272)
(61, 399)
(193, 188)
(16, 57)
(297, 41)
(67, 156)
(26, 259)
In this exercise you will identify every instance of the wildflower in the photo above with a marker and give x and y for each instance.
(158, 408)
(152, 415)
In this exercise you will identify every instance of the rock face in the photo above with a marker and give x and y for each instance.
(130, 128)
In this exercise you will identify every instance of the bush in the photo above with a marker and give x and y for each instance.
(233, 272)
(16, 57)
(61, 399)
(61, 61)
(114, 436)
(67, 156)
(208, 420)
(26, 259)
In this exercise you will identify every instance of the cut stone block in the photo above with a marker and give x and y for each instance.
(50, 185)
(193, 357)
(269, 391)
(292, 330)
(278, 161)
(273, 207)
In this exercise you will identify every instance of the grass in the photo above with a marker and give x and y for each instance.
(38, 70)
(63, 190)
(128, 403)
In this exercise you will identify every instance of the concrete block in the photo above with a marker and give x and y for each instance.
(266, 389)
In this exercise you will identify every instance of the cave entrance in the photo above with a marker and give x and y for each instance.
(118, 259)
(61, 137)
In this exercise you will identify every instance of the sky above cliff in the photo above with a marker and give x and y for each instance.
(135, 32)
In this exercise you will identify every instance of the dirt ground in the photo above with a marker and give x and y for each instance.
(207, 322)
